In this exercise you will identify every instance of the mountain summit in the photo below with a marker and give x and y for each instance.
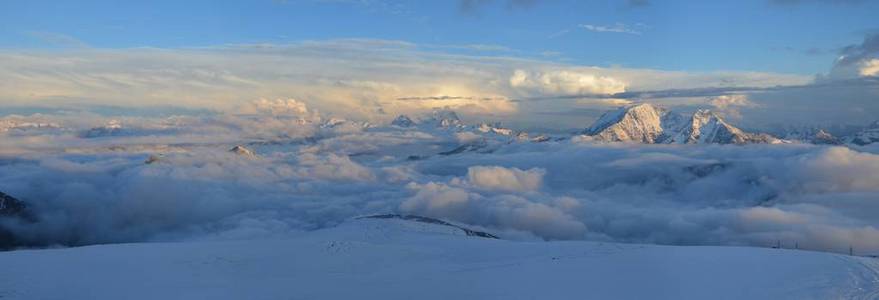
(641, 123)
(651, 124)
(443, 118)
(812, 135)
(403, 121)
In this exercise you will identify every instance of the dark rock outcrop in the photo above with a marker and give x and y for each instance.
(467, 231)
(10, 206)
(11, 210)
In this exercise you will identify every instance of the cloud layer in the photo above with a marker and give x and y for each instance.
(355, 78)
(311, 171)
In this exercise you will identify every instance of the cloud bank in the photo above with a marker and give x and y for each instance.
(311, 171)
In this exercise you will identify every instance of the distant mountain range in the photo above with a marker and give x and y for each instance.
(652, 124)
(448, 119)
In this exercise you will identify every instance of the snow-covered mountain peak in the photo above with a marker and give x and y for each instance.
(333, 122)
(443, 118)
(114, 124)
(243, 151)
(703, 127)
(636, 123)
(403, 121)
(10, 126)
(704, 116)
(651, 124)
(111, 128)
(495, 128)
(812, 135)
(823, 137)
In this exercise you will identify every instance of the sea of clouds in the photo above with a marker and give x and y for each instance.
(309, 174)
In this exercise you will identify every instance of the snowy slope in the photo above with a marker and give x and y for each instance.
(811, 135)
(706, 127)
(639, 123)
(397, 259)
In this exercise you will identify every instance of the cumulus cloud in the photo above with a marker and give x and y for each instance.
(731, 105)
(565, 83)
(840, 169)
(727, 101)
(858, 60)
(333, 167)
(467, 137)
(277, 107)
(870, 67)
(509, 212)
(505, 179)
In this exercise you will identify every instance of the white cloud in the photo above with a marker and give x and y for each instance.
(870, 67)
(820, 197)
(731, 105)
(333, 167)
(563, 82)
(499, 211)
(278, 107)
(615, 28)
(435, 199)
(467, 137)
(505, 179)
(857, 60)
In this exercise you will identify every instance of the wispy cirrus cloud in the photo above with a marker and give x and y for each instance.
(57, 39)
(615, 28)
(791, 3)
(474, 6)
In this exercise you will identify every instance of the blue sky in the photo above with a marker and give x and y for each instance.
(789, 36)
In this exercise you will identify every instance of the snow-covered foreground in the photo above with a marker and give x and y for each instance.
(396, 259)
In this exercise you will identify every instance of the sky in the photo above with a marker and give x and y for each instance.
(640, 44)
